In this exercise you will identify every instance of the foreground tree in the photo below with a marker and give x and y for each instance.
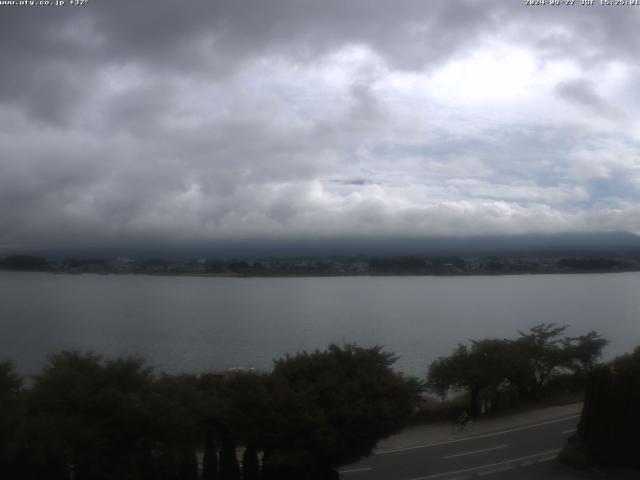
(11, 419)
(608, 429)
(229, 467)
(210, 456)
(546, 354)
(89, 416)
(486, 366)
(233, 410)
(173, 409)
(329, 408)
(250, 464)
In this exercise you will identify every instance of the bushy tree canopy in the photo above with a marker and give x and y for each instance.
(331, 407)
(90, 414)
(93, 418)
(524, 365)
(610, 421)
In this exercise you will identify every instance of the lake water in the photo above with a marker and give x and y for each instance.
(196, 324)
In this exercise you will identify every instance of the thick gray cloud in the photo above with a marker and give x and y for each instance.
(207, 120)
(581, 92)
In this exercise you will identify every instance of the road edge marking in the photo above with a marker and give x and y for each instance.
(355, 470)
(493, 471)
(474, 437)
(476, 451)
(471, 469)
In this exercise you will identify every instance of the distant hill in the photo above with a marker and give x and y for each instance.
(556, 245)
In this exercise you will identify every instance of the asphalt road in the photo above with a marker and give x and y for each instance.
(512, 453)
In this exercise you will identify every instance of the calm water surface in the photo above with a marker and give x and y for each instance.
(195, 324)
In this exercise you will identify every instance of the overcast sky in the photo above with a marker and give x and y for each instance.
(196, 120)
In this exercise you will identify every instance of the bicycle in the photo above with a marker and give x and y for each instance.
(461, 424)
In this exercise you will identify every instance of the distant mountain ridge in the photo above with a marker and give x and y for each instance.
(553, 245)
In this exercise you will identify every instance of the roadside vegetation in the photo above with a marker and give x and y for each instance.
(493, 375)
(607, 434)
(85, 417)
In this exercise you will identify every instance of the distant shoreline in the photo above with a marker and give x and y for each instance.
(323, 275)
(336, 266)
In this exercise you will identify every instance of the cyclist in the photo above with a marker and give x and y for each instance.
(463, 420)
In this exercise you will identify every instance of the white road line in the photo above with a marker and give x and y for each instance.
(567, 432)
(546, 459)
(355, 470)
(495, 470)
(474, 437)
(505, 462)
(476, 451)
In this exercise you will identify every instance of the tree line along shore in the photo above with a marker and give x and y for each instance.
(332, 266)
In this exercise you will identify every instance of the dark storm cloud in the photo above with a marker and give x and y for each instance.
(56, 52)
(408, 32)
(296, 117)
